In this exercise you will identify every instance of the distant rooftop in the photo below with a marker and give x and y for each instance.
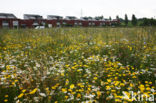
(32, 16)
(71, 17)
(86, 18)
(7, 15)
(54, 17)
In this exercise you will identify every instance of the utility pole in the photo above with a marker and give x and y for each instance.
(81, 13)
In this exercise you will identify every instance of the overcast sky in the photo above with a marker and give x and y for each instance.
(141, 8)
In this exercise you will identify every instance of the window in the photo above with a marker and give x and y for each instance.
(64, 23)
(93, 23)
(35, 23)
(75, 23)
(5, 23)
(11, 17)
(1, 16)
(58, 23)
(80, 23)
(49, 25)
(15, 23)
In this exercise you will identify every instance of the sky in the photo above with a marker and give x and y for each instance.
(78, 8)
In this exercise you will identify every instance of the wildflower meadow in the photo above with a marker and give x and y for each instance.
(78, 65)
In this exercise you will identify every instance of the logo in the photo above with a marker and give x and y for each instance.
(137, 96)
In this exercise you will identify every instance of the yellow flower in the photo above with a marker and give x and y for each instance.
(78, 95)
(148, 88)
(67, 65)
(89, 89)
(134, 76)
(66, 97)
(142, 87)
(49, 97)
(98, 93)
(95, 78)
(118, 100)
(78, 70)
(122, 84)
(69, 90)
(73, 93)
(16, 80)
(108, 87)
(113, 90)
(53, 87)
(108, 80)
(62, 74)
(73, 67)
(131, 85)
(33, 91)
(5, 100)
(72, 86)
(80, 85)
(6, 96)
(67, 82)
(21, 95)
(8, 67)
(13, 83)
(23, 90)
(80, 90)
(64, 90)
(47, 89)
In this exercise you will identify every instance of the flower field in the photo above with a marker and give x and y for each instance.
(78, 65)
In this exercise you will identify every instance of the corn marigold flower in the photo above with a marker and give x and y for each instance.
(95, 78)
(78, 95)
(21, 95)
(98, 93)
(64, 90)
(6, 96)
(72, 86)
(33, 91)
(5, 100)
(23, 90)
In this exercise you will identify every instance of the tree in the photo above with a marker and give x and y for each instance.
(110, 18)
(134, 20)
(126, 19)
(118, 20)
(90, 17)
(117, 17)
(99, 17)
(148, 22)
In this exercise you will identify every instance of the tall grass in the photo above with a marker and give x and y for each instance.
(76, 64)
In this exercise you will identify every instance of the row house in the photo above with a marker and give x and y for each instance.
(72, 21)
(32, 20)
(54, 21)
(8, 20)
